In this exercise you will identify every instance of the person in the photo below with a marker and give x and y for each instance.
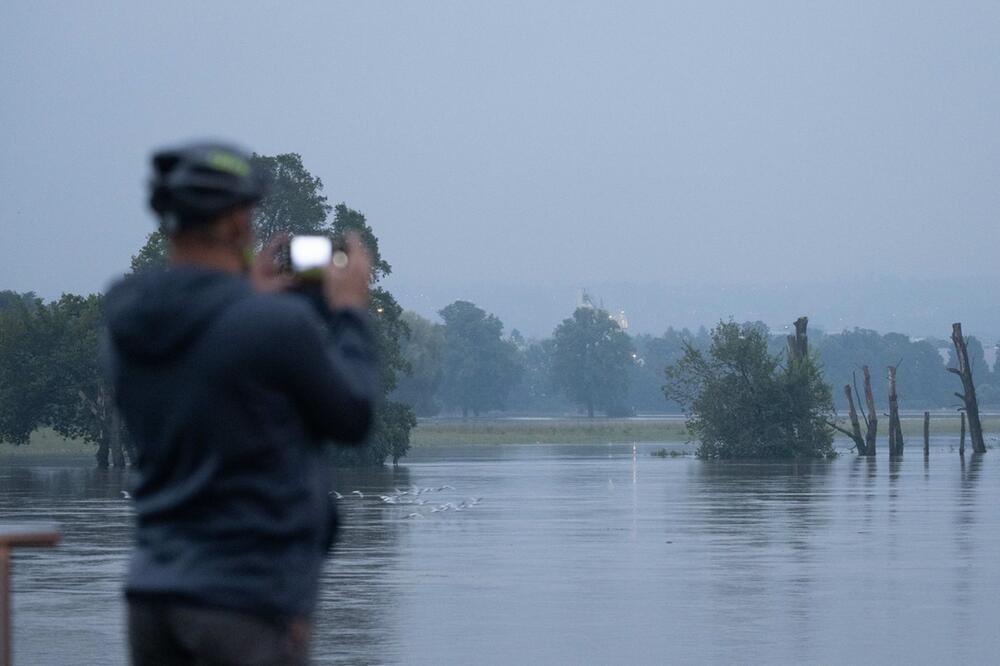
(229, 384)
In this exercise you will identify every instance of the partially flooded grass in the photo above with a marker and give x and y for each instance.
(556, 431)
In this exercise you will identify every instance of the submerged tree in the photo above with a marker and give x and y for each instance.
(742, 402)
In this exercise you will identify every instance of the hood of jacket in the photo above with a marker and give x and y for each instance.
(155, 315)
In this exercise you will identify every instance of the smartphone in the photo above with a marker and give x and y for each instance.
(310, 254)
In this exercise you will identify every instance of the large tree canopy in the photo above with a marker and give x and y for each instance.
(590, 360)
(423, 348)
(479, 366)
(51, 375)
(295, 203)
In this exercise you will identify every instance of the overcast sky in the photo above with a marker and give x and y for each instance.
(524, 146)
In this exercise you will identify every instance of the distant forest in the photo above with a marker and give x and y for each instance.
(472, 366)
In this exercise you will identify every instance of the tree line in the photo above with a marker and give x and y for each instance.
(52, 355)
(464, 364)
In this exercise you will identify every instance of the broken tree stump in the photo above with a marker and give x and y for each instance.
(964, 371)
(798, 344)
(855, 423)
(871, 429)
(895, 429)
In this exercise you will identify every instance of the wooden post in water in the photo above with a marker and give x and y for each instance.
(964, 371)
(18, 536)
(927, 434)
(961, 439)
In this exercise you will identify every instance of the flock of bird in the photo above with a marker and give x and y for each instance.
(412, 496)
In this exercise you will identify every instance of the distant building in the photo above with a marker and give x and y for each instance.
(585, 300)
(621, 319)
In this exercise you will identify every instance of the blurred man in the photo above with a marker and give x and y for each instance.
(229, 387)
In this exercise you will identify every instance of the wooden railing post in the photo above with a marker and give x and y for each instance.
(5, 619)
(16, 536)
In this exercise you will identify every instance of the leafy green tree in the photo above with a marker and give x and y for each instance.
(535, 392)
(50, 375)
(479, 366)
(349, 220)
(394, 420)
(152, 255)
(81, 401)
(653, 354)
(590, 361)
(26, 337)
(922, 379)
(12, 299)
(295, 203)
(423, 348)
(743, 402)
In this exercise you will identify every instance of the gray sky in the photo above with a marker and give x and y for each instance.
(532, 147)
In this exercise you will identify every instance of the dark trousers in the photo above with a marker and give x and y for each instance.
(166, 633)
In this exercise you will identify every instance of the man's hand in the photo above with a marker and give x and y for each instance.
(265, 273)
(347, 287)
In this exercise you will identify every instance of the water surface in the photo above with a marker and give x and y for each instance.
(580, 554)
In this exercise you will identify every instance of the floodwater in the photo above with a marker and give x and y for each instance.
(582, 554)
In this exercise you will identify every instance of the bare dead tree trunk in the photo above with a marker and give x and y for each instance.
(855, 432)
(871, 430)
(859, 441)
(927, 434)
(895, 429)
(102, 452)
(964, 371)
(961, 438)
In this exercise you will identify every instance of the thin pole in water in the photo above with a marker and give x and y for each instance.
(927, 434)
(961, 439)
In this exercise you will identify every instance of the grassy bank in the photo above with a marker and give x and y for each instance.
(492, 432)
(46, 442)
(561, 431)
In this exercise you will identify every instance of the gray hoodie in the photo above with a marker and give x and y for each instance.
(229, 396)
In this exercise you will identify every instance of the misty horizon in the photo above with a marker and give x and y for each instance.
(511, 155)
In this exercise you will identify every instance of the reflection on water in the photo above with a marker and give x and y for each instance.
(585, 555)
